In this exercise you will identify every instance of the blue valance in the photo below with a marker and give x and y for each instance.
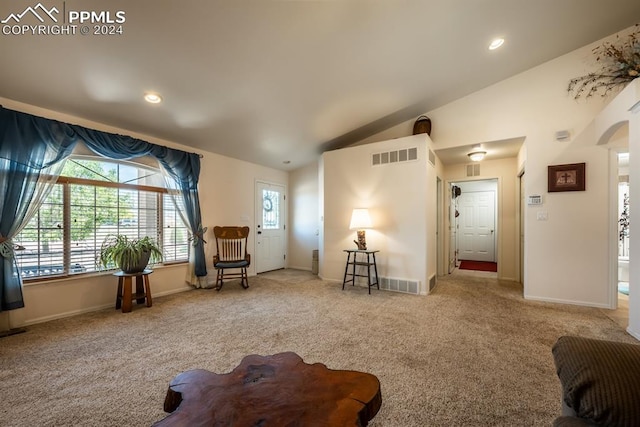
(30, 143)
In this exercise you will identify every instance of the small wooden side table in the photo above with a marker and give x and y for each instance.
(125, 296)
(370, 262)
(277, 390)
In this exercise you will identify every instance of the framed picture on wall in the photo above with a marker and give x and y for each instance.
(570, 177)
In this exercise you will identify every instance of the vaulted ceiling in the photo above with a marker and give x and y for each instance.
(282, 80)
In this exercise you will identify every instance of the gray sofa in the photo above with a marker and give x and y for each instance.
(600, 382)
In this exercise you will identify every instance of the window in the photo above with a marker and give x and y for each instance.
(270, 210)
(92, 199)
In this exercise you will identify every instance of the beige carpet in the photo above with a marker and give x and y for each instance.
(473, 353)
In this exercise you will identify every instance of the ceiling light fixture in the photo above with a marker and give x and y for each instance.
(476, 156)
(152, 98)
(496, 44)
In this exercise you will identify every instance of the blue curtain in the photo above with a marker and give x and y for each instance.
(28, 148)
(29, 144)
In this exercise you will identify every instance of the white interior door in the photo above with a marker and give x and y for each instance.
(476, 233)
(270, 228)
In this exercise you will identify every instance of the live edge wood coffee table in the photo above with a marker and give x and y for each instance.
(278, 390)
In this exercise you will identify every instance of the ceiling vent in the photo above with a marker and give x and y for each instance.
(395, 156)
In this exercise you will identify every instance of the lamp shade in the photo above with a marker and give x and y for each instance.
(360, 219)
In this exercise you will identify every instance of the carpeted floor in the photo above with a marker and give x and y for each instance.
(473, 353)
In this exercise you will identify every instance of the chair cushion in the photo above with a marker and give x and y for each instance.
(600, 379)
(234, 264)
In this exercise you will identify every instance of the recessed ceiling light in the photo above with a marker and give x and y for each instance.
(496, 44)
(152, 98)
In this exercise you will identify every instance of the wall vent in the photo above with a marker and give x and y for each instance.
(395, 156)
(432, 282)
(400, 285)
(432, 158)
(473, 169)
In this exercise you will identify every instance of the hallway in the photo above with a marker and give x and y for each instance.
(621, 314)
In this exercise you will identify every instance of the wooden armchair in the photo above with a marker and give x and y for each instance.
(231, 247)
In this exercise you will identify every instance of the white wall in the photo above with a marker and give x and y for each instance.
(304, 225)
(227, 197)
(226, 188)
(431, 195)
(397, 196)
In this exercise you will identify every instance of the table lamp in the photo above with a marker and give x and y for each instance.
(360, 220)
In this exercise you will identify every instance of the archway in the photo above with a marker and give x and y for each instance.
(616, 140)
(622, 117)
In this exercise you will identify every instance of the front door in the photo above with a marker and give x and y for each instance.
(476, 233)
(270, 228)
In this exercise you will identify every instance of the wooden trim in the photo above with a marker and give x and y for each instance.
(108, 184)
(38, 279)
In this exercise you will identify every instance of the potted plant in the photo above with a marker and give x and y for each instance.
(130, 255)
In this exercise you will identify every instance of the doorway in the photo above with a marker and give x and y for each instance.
(475, 224)
(270, 227)
(623, 229)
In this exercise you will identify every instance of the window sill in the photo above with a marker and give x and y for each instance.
(36, 281)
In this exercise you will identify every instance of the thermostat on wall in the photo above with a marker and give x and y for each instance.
(534, 200)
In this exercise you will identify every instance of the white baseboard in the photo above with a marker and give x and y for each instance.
(173, 291)
(635, 334)
(330, 280)
(293, 267)
(71, 313)
(564, 301)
